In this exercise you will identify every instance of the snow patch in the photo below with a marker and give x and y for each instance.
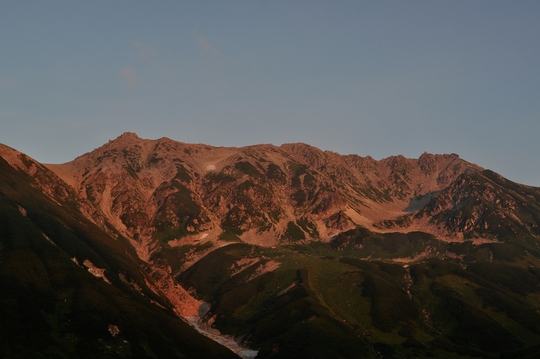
(22, 210)
(114, 330)
(226, 341)
(47, 238)
(95, 271)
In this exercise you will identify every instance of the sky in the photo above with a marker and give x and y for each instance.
(376, 78)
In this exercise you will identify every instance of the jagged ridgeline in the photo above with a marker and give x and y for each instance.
(292, 251)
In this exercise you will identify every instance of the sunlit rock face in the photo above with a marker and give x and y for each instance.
(171, 191)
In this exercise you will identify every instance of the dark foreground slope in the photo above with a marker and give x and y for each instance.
(51, 306)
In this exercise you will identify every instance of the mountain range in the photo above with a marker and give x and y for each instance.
(161, 249)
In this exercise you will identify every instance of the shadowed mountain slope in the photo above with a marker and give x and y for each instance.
(71, 290)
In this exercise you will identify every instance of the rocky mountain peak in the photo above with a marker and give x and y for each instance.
(130, 136)
(254, 193)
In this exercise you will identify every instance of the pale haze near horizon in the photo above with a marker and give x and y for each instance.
(376, 78)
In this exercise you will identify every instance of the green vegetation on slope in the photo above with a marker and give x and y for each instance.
(326, 303)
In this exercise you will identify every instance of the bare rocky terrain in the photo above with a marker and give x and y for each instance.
(256, 190)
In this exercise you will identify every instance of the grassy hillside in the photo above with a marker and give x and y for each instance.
(320, 303)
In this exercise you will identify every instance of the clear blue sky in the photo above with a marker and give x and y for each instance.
(375, 78)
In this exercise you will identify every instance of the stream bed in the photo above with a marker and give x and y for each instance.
(228, 342)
